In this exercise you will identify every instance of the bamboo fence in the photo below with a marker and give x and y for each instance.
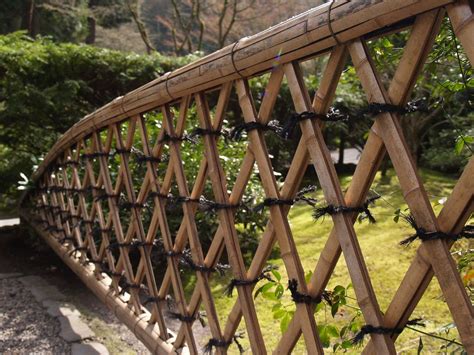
(76, 206)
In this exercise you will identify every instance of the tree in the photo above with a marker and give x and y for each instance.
(133, 8)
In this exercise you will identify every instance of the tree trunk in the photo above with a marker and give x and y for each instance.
(29, 15)
(140, 26)
(91, 26)
(342, 141)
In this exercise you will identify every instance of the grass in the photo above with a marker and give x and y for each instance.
(387, 263)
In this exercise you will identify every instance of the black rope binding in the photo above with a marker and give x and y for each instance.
(212, 206)
(141, 157)
(200, 132)
(187, 260)
(331, 210)
(134, 244)
(236, 132)
(188, 318)
(376, 108)
(237, 282)
(127, 286)
(76, 249)
(335, 115)
(96, 155)
(69, 162)
(299, 297)
(221, 343)
(290, 125)
(105, 196)
(130, 205)
(66, 239)
(420, 233)
(168, 299)
(370, 329)
(173, 139)
(105, 268)
(300, 196)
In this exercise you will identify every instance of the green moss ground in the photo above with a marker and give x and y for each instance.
(386, 261)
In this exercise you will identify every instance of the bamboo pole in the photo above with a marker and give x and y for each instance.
(149, 335)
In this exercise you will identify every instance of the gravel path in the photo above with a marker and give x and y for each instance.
(25, 327)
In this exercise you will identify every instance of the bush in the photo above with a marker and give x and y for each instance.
(46, 87)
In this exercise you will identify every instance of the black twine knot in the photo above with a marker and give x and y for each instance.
(221, 343)
(245, 282)
(122, 151)
(168, 299)
(130, 205)
(206, 132)
(188, 318)
(141, 157)
(299, 297)
(105, 197)
(174, 139)
(331, 210)
(76, 249)
(290, 125)
(236, 132)
(127, 286)
(213, 206)
(186, 259)
(376, 108)
(95, 155)
(370, 329)
(300, 196)
(420, 233)
(69, 162)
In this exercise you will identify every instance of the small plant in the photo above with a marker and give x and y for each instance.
(283, 309)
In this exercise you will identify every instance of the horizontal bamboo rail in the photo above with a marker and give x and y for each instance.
(78, 204)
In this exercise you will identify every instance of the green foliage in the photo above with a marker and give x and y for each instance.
(63, 23)
(46, 87)
(283, 309)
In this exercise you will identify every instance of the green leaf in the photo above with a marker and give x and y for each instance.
(308, 276)
(420, 347)
(279, 290)
(279, 314)
(277, 275)
(347, 344)
(340, 290)
(334, 308)
(343, 331)
(264, 289)
(396, 218)
(324, 336)
(270, 296)
(276, 306)
(459, 145)
(318, 307)
(332, 331)
(284, 322)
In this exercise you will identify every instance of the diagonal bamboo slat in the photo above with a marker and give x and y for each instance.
(105, 214)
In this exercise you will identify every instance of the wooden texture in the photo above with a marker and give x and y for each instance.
(104, 213)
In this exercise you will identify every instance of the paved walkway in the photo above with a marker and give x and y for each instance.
(9, 222)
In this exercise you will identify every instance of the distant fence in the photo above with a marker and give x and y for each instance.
(87, 207)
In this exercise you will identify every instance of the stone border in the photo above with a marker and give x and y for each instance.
(73, 329)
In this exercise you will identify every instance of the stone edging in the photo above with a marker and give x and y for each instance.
(73, 329)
